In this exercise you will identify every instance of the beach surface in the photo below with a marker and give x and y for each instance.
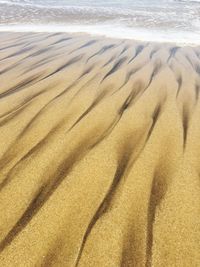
(100, 152)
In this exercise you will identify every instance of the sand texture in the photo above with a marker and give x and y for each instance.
(99, 152)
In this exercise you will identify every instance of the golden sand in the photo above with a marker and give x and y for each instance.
(100, 152)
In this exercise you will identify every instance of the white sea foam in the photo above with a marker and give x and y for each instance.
(174, 21)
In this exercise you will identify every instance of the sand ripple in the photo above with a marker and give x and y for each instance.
(99, 153)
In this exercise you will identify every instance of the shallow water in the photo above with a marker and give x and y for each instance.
(159, 20)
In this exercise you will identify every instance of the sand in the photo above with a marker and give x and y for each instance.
(100, 152)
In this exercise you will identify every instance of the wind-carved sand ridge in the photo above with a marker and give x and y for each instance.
(99, 153)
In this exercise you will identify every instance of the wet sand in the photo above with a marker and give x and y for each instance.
(100, 152)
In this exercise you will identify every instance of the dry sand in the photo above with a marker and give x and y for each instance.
(100, 152)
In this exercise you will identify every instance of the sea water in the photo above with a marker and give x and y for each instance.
(149, 20)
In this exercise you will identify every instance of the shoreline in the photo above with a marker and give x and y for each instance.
(107, 32)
